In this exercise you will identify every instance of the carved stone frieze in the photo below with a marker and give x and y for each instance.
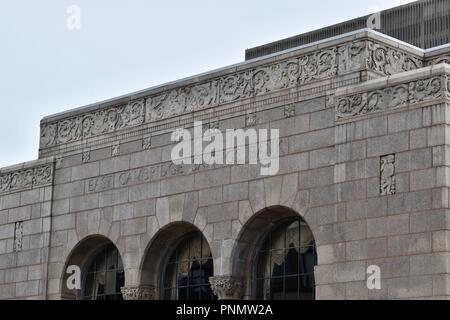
(390, 61)
(392, 97)
(92, 124)
(440, 59)
(26, 178)
(227, 288)
(314, 66)
(138, 293)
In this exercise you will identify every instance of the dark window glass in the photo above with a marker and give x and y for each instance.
(187, 272)
(285, 263)
(105, 276)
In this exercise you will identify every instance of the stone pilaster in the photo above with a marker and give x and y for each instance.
(227, 287)
(138, 293)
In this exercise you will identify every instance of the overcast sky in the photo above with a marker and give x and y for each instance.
(125, 46)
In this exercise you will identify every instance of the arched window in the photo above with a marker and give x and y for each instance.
(105, 275)
(187, 270)
(285, 262)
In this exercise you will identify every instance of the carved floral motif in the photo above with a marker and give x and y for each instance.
(226, 287)
(138, 293)
(314, 66)
(441, 59)
(387, 175)
(18, 236)
(390, 61)
(92, 124)
(391, 97)
(26, 178)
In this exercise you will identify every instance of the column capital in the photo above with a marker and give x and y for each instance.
(227, 287)
(138, 292)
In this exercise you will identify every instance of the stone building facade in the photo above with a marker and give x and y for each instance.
(364, 164)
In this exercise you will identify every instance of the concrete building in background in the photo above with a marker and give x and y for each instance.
(359, 208)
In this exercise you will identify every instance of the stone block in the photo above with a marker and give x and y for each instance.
(322, 157)
(210, 196)
(84, 171)
(133, 226)
(84, 203)
(410, 244)
(222, 212)
(386, 226)
(144, 191)
(235, 192)
(388, 144)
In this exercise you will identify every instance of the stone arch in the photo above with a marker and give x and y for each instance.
(156, 253)
(249, 239)
(81, 255)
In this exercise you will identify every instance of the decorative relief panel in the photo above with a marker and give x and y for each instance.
(227, 288)
(441, 59)
(387, 175)
(318, 65)
(390, 61)
(289, 111)
(92, 124)
(26, 178)
(138, 293)
(18, 236)
(392, 97)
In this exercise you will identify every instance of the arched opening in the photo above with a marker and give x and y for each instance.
(178, 264)
(275, 254)
(187, 271)
(284, 262)
(102, 273)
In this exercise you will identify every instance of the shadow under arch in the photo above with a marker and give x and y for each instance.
(82, 255)
(160, 248)
(250, 239)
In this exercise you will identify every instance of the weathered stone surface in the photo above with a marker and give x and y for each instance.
(363, 162)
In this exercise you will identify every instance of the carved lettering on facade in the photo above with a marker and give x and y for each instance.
(100, 184)
(26, 178)
(387, 175)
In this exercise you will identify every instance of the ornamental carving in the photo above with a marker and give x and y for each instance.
(26, 178)
(307, 68)
(226, 287)
(138, 293)
(92, 124)
(387, 175)
(391, 61)
(18, 236)
(441, 59)
(392, 97)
